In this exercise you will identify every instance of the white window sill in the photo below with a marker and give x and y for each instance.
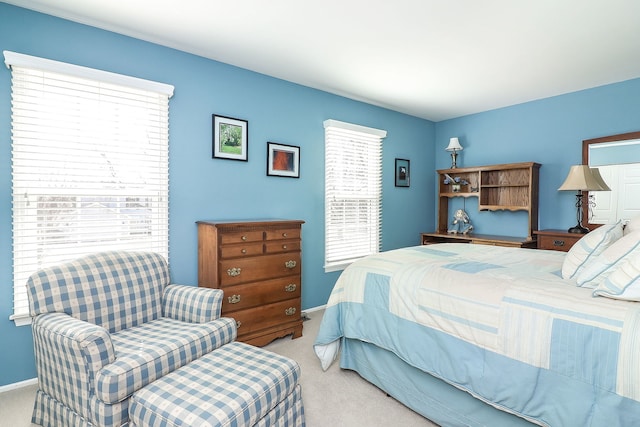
(338, 266)
(21, 319)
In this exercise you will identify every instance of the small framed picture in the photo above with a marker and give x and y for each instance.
(402, 172)
(283, 160)
(230, 138)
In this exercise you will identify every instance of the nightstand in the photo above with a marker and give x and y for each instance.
(556, 240)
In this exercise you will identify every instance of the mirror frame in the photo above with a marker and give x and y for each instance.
(585, 161)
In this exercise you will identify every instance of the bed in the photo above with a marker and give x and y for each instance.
(473, 335)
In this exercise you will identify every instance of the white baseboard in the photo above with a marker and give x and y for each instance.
(19, 384)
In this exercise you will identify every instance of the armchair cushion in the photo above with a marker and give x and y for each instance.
(115, 290)
(191, 304)
(150, 351)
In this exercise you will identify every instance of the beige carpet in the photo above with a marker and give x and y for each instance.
(335, 398)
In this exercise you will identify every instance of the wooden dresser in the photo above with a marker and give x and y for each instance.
(258, 266)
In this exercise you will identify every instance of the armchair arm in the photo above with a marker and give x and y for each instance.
(69, 352)
(191, 304)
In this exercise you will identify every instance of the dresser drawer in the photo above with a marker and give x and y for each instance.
(555, 243)
(243, 270)
(490, 243)
(242, 250)
(282, 246)
(280, 234)
(265, 316)
(260, 293)
(557, 240)
(241, 236)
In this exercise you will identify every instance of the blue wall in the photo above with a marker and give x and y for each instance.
(206, 188)
(548, 131)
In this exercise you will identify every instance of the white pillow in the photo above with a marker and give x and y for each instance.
(598, 269)
(624, 282)
(589, 247)
(632, 225)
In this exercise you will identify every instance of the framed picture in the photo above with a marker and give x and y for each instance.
(402, 172)
(283, 160)
(230, 138)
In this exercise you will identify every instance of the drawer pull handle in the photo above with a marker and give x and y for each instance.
(238, 324)
(234, 299)
(284, 246)
(558, 243)
(291, 287)
(290, 311)
(284, 234)
(244, 251)
(235, 271)
(244, 238)
(290, 264)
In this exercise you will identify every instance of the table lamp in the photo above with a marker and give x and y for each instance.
(582, 178)
(454, 146)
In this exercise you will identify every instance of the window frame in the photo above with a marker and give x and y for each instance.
(34, 203)
(352, 202)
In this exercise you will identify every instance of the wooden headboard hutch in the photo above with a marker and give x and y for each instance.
(504, 187)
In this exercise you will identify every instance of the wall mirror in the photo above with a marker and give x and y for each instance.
(618, 159)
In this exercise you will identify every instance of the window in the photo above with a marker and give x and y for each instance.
(89, 163)
(353, 192)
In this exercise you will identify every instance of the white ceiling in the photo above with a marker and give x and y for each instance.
(435, 59)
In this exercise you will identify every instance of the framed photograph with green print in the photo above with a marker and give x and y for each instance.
(230, 138)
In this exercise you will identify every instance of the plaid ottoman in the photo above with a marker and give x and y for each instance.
(235, 385)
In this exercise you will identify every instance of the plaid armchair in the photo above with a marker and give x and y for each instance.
(106, 325)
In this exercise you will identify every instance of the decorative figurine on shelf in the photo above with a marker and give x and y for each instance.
(461, 223)
(454, 182)
(457, 180)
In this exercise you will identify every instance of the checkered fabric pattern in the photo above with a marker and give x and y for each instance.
(116, 290)
(50, 412)
(288, 413)
(235, 385)
(87, 371)
(148, 352)
(190, 304)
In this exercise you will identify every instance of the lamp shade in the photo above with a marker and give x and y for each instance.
(583, 178)
(454, 145)
(596, 174)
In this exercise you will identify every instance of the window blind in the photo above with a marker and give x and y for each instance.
(353, 192)
(89, 165)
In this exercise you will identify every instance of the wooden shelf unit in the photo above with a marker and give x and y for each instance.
(511, 186)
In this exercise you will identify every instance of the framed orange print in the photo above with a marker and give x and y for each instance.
(283, 160)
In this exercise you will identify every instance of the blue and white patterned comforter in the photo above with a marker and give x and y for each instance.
(499, 323)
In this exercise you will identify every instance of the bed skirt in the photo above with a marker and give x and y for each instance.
(431, 397)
